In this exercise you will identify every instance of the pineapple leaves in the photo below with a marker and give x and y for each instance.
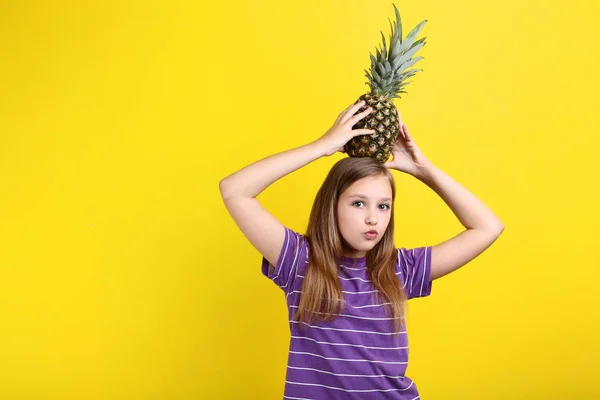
(395, 36)
(410, 38)
(373, 60)
(397, 88)
(418, 42)
(402, 58)
(398, 23)
(381, 69)
(410, 63)
(408, 74)
(376, 77)
(392, 34)
(395, 95)
(384, 49)
(389, 66)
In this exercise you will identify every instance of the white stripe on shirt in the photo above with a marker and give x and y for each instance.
(350, 375)
(348, 390)
(347, 359)
(353, 316)
(352, 345)
(347, 330)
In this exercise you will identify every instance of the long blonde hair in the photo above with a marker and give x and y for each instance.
(322, 297)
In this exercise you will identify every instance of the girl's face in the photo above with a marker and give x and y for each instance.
(364, 206)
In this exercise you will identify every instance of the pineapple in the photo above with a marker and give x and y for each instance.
(386, 78)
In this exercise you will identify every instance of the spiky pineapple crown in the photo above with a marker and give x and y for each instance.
(389, 70)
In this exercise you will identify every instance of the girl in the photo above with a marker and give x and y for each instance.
(345, 282)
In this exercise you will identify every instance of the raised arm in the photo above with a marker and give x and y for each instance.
(240, 189)
(482, 227)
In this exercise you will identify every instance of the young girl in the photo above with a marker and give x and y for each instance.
(345, 282)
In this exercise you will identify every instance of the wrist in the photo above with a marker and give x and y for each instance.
(316, 147)
(424, 171)
(320, 148)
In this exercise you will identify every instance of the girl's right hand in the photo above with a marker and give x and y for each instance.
(341, 132)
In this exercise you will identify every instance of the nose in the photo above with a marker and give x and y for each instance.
(372, 218)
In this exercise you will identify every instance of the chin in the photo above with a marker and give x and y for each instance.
(361, 245)
(364, 247)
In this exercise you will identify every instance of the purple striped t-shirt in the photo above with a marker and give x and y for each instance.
(357, 355)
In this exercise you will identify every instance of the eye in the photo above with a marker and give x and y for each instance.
(356, 202)
(387, 206)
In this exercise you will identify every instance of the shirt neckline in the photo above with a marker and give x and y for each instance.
(349, 261)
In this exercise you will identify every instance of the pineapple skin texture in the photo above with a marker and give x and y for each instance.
(384, 119)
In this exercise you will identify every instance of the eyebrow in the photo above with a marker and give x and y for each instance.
(362, 196)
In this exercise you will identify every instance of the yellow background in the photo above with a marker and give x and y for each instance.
(122, 275)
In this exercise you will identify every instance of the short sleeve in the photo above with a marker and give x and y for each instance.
(293, 253)
(414, 270)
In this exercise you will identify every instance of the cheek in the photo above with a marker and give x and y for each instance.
(388, 216)
(387, 220)
(350, 215)
(346, 219)
(343, 219)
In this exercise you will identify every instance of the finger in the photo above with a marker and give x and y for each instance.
(356, 132)
(343, 113)
(401, 132)
(351, 110)
(406, 133)
(360, 116)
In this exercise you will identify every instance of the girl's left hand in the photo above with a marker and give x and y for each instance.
(407, 157)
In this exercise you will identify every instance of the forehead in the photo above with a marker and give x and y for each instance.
(370, 187)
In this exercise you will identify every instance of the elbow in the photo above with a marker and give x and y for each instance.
(497, 228)
(500, 229)
(229, 189)
(224, 188)
(493, 228)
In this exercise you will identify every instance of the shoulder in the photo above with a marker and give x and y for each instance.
(291, 262)
(413, 267)
(296, 248)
